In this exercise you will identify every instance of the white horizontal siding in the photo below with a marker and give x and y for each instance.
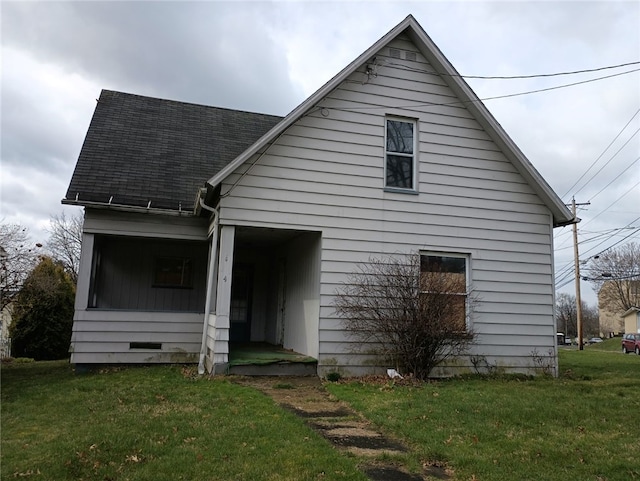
(101, 336)
(102, 221)
(326, 174)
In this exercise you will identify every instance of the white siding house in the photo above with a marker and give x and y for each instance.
(395, 155)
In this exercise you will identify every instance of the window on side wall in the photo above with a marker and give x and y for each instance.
(443, 279)
(400, 154)
(173, 272)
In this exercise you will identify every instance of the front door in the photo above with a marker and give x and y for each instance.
(240, 315)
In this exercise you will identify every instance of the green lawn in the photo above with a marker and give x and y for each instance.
(579, 427)
(164, 423)
(153, 423)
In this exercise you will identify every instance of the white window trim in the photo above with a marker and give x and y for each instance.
(414, 156)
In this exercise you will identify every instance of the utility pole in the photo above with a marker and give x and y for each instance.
(576, 258)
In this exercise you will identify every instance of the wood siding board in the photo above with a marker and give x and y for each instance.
(438, 207)
(496, 227)
(433, 168)
(125, 326)
(102, 221)
(376, 91)
(437, 194)
(115, 348)
(123, 336)
(343, 99)
(390, 79)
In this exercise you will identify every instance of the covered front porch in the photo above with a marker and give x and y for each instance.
(264, 312)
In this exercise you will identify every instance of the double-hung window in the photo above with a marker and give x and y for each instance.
(445, 276)
(400, 154)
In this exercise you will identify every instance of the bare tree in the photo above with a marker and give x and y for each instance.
(65, 242)
(412, 317)
(617, 273)
(590, 320)
(18, 256)
(567, 315)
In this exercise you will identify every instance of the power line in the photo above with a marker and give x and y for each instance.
(507, 77)
(635, 231)
(608, 161)
(607, 233)
(603, 152)
(616, 178)
(462, 102)
(512, 77)
(615, 201)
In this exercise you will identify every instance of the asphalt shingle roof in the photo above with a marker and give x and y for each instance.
(140, 149)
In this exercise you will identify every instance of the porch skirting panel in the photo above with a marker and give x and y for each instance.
(105, 337)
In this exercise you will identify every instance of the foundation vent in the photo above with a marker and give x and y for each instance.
(156, 346)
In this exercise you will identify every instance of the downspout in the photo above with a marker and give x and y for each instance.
(210, 274)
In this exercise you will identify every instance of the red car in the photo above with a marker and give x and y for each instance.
(631, 343)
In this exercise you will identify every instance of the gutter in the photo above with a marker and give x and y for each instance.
(128, 208)
(210, 273)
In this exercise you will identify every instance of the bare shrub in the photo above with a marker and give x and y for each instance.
(412, 316)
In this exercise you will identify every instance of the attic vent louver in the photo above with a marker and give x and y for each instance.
(411, 56)
(394, 53)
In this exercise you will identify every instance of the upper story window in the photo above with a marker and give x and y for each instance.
(400, 157)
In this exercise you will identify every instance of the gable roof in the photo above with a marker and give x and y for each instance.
(409, 26)
(142, 149)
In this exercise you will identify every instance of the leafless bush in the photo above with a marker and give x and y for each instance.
(413, 317)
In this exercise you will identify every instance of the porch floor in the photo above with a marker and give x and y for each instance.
(263, 359)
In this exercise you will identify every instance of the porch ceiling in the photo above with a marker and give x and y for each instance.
(254, 236)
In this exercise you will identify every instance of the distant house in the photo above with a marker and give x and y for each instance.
(207, 227)
(631, 320)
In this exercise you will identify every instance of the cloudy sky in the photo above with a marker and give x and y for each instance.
(269, 56)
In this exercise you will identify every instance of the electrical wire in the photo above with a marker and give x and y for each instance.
(616, 178)
(463, 102)
(615, 201)
(603, 152)
(543, 75)
(608, 161)
(511, 77)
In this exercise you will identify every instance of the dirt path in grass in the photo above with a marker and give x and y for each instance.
(340, 425)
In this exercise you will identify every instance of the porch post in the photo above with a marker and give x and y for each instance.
(84, 272)
(223, 299)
